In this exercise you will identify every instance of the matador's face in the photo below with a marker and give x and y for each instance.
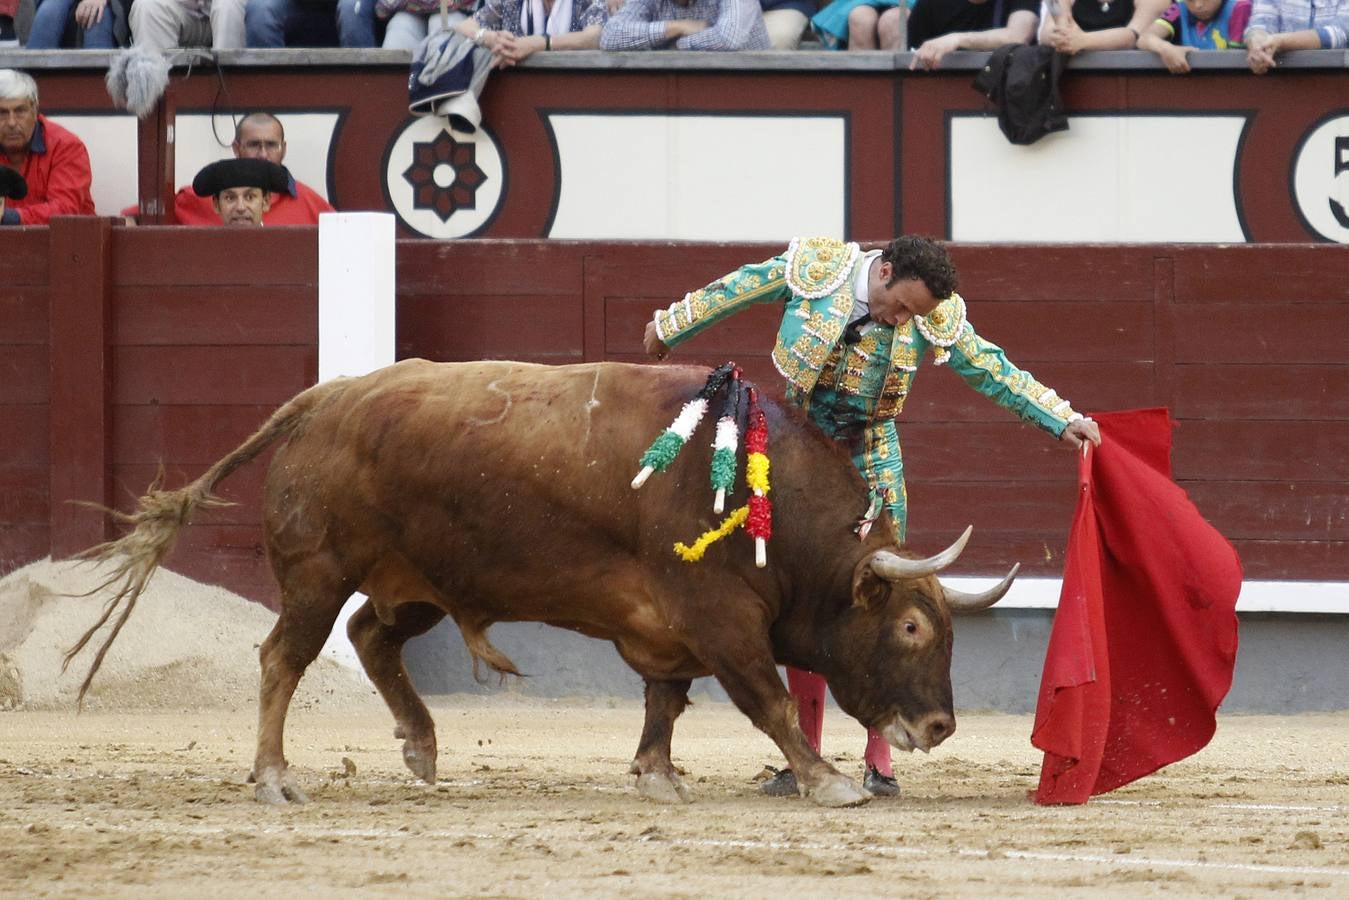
(895, 304)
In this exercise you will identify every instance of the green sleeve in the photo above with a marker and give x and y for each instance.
(764, 282)
(987, 369)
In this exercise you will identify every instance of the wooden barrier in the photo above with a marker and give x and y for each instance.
(126, 349)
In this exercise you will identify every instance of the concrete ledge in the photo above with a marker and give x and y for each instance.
(676, 61)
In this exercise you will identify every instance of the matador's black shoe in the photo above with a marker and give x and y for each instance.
(878, 784)
(783, 784)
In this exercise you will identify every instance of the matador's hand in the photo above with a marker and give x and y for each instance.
(654, 346)
(1080, 431)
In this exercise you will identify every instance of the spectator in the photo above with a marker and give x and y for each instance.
(687, 25)
(285, 23)
(241, 189)
(163, 24)
(1279, 25)
(1196, 25)
(514, 30)
(258, 136)
(861, 25)
(410, 21)
(98, 24)
(936, 27)
(52, 161)
(9, 37)
(1097, 24)
(450, 72)
(786, 21)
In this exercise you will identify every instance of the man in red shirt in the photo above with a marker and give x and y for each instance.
(258, 136)
(51, 160)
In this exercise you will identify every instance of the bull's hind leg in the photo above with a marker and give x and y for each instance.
(657, 778)
(307, 616)
(380, 648)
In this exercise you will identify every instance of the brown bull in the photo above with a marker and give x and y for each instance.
(499, 491)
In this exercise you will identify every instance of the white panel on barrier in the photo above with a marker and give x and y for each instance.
(356, 293)
(1108, 178)
(356, 328)
(709, 178)
(200, 139)
(111, 142)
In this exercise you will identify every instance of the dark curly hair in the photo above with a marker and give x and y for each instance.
(924, 259)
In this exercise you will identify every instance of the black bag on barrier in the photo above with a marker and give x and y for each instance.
(1023, 83)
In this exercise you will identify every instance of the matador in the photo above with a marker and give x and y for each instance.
(856, 323)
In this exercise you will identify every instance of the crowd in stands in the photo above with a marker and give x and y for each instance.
(45, 171)
(514, 29)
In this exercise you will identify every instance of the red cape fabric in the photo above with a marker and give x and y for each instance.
(1145, 637)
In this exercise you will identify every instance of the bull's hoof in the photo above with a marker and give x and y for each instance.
(838, 790)
(666, 789)
(420, 760)
(278, 790)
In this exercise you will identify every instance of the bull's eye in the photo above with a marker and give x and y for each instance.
(911, 627)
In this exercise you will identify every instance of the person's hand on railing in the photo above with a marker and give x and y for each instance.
(1066, 36)
(1260, 50)
(929, 56)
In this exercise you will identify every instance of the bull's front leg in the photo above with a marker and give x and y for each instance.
(657, 778)
(751, 679)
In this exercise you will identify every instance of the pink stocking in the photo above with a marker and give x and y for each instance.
(807, 689)
(878, 752)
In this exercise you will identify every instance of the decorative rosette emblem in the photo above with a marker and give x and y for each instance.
(443, 183)
(444, 175)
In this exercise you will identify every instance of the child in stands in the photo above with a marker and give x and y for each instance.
(1196, 25)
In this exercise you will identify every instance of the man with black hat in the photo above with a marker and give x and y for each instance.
(12, 186)
(241, 189)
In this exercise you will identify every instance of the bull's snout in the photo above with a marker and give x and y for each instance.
(920, 734)
(935, 728)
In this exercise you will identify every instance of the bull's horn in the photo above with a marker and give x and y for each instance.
(893, 567)
(959, 601)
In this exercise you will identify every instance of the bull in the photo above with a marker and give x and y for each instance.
(498, 491)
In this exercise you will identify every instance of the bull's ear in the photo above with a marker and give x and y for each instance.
(869, 589)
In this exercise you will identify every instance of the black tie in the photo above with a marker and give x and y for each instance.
(852, 334)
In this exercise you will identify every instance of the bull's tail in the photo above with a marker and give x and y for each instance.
(160, 514)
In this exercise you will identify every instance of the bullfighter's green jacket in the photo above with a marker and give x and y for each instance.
(855, 391)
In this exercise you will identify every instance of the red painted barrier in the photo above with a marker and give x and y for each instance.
(126, 349)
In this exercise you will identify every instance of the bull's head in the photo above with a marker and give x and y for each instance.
(894, 645)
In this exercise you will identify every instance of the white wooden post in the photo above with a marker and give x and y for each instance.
(356, 328)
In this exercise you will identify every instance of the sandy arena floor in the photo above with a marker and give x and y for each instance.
(534, 800)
